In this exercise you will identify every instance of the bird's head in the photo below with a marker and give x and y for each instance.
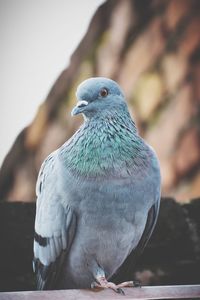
(98, 96)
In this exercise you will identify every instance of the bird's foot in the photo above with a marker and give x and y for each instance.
(133, 283)
(103, 283)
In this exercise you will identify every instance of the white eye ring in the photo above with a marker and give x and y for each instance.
(103, 92)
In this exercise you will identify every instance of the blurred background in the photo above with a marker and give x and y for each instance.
(152, 49)
(36, 44)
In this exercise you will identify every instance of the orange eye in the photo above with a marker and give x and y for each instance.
(103, 92)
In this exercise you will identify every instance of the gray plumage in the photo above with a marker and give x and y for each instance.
(97, 195)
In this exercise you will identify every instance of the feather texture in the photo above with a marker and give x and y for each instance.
(97, 195)
(52, 226)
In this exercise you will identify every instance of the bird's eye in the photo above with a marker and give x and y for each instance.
(103, 92)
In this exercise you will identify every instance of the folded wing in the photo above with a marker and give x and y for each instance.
(55, 227)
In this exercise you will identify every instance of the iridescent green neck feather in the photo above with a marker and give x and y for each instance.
(105, 145)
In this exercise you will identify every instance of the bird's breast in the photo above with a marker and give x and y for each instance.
(111, 216)
(108, 149)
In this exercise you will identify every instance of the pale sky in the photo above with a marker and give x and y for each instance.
(37, 39)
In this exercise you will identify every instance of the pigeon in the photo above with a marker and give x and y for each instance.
(98, 195)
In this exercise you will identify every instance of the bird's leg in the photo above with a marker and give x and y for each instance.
(103, 283)
(100, 278)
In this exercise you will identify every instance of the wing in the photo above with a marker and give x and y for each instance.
(150, 224)
(54, 227)
(126, 270)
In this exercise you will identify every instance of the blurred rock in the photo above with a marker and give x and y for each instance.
(112, 43)
(187, 155)
(164, 134)
(194, 186)
(24, 184)
(174, 68)
(152, 49)
(191, 38)
(55, 134)
(148, 95)
(141, 55)
(36, 131)
(176, 10)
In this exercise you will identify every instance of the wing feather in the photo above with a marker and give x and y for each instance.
(54, 227)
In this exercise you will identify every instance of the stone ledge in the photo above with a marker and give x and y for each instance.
(147, 292)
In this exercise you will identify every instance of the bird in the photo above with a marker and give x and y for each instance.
(98, 195)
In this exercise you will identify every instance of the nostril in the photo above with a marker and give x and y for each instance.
(82, 103)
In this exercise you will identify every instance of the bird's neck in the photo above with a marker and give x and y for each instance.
(104, 145)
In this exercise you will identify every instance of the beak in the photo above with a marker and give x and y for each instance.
(79, 108)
